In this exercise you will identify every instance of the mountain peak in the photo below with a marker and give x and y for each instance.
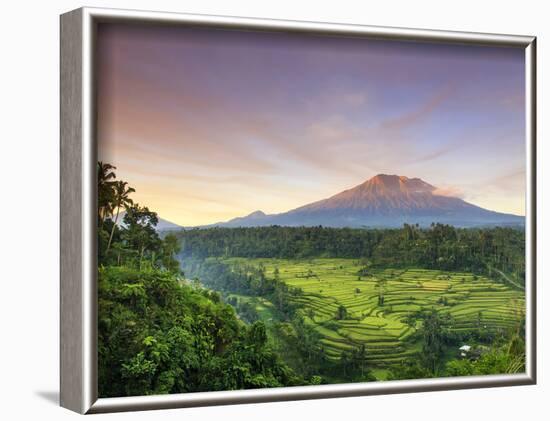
(392, 183)
(256, 214)
(381, 177)
(386, 179)
(389, 178)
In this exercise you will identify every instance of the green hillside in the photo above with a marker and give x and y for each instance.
(350, 306)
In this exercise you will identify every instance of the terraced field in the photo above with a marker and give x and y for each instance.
(474, 302)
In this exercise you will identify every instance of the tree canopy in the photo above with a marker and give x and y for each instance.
(158, 332)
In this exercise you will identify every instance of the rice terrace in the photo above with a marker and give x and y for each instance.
(350, 306)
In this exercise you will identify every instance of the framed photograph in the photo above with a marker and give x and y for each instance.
(261, 210)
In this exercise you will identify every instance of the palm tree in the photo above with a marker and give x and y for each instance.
(121, 199)
(119, 250)
(105, 177)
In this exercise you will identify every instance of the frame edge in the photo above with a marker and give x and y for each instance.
(101, 14)
(202, 399)
(71, 286)
(531, 201)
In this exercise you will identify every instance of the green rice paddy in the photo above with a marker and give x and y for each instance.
(474, 302)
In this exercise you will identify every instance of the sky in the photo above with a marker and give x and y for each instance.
(210, 124)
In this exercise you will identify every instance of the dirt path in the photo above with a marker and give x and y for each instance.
(508, 279)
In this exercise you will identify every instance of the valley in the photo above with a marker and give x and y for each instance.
(376, 312)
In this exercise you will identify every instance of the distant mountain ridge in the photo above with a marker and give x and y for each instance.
(165, 225)
(382, 201)
(162, 225)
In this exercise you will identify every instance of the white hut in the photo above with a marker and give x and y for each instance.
(464, 350)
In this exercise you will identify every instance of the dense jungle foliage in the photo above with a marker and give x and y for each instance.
(482, 250)
(159, 333)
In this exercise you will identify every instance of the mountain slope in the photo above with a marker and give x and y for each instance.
(163, 224)
(383, 201)
(257, 216)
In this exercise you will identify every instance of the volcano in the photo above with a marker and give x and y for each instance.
(383, 201)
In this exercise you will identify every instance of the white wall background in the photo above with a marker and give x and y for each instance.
(29, 213)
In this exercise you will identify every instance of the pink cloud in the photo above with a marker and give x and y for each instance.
(421, 112)
(449, 191)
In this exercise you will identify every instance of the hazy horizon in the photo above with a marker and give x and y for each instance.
(208, 125)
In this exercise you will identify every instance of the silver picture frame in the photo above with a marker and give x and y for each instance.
(78, 261)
